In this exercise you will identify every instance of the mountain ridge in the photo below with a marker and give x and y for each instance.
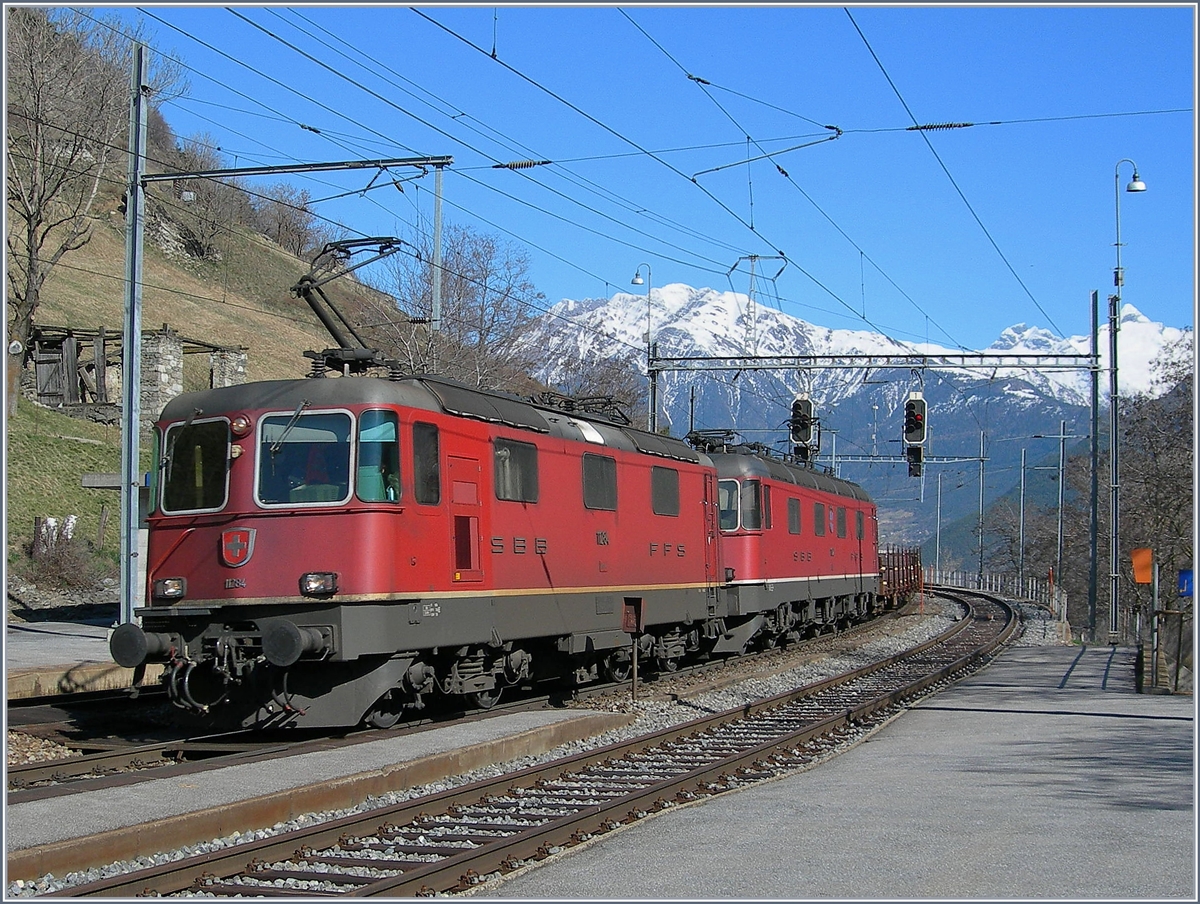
(858, 408)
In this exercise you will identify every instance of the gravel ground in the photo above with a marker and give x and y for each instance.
(28, 602)
(653, 715)
(23, 748)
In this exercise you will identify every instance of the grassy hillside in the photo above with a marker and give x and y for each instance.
(242, 300)
(48, 454)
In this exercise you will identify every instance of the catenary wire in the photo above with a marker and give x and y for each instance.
(949, 176)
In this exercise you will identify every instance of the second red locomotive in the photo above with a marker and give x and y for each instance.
(328, 551)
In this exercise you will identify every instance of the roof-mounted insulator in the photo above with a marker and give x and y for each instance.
(522, 164)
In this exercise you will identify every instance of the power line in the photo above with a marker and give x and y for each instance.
(703, 84)
(949, 176)
(597, 122)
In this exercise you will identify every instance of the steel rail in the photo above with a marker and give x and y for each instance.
(459, 868)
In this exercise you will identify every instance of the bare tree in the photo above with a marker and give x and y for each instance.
(209, 207)
(67, 120)
(1157, 483)
(1157, 477)
(285, 216)
(486, 297)
(614, 376)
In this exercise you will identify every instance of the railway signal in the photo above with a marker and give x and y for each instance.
(914, 420)
(801, 421)
(801, 428)
(915, 455)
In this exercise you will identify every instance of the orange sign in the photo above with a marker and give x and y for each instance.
(1143, 565)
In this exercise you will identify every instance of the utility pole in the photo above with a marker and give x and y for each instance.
(1094, 520)
(982, 435)
(131, 346)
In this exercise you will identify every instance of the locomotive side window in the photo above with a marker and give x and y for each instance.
(378, 478)
(793, 516)
(664, 491)
(752, 505)
(858, 526)
(195, 467)
(766, 508)
(819, 519)
(516, 470)
(841, 521)
(727, 503)
(304, 458)
(599, 482)
(426, 468)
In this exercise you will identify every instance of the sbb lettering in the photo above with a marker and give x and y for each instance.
(520, 545)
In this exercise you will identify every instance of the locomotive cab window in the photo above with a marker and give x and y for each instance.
(752, 517)
(727, 503)
(664, 491)
(515, 470)
(304, 459)
(194, 467)
(378, 477)
(740, 504)
(426, 468)
(819, 519)
(599, 482)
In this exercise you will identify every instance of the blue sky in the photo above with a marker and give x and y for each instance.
(948, 240)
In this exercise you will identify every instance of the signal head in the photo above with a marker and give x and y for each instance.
(915, 428)
(801, 422)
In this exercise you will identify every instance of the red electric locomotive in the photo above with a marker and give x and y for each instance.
(327, 551)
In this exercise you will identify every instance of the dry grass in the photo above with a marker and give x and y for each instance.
(189, 297)
(48, 454)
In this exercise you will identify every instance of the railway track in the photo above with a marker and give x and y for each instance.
(450, 841)
(114, 759)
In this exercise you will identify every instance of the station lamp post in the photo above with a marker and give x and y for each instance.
(1114, 325)
(651, 374)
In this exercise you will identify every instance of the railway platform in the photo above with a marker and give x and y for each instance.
(1044, 775)
(50, 658)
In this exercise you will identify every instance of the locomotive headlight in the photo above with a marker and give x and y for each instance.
(170, 588)
(240, 425)
(318, 583)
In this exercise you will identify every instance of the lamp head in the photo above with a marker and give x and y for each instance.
(1136, 185)
(637, 277)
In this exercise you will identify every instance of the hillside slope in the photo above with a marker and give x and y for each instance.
(241, 300)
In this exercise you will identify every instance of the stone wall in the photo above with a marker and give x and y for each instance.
(226, 368)
(162, 375)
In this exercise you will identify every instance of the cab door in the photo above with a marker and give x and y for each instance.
(465, 512)
(712, 549)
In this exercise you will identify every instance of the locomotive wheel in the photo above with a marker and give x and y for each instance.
(384, 713)
(484, 699)
(666, 665)
(382, 718)
(616, 667)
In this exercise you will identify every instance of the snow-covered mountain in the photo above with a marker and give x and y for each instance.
(858, 410)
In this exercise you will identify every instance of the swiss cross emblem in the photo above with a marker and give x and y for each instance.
(237, 546)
